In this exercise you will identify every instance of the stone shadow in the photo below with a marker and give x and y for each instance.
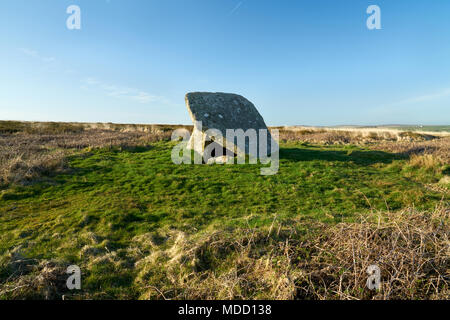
(358, 157)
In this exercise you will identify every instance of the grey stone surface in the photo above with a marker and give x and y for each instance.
(224, 111)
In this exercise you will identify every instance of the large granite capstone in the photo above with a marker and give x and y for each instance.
(224, 111)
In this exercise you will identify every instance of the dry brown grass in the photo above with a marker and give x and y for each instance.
(289, 260)
(411, 248)
(25, 157)
(31, 278)
(428, 161)
(353, 136)
(46, 280)
(438, 148)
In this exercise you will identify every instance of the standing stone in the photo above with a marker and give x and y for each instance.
(224, 111)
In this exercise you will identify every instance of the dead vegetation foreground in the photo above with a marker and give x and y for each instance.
(289, 260)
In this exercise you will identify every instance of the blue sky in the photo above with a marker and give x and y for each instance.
(300, 62)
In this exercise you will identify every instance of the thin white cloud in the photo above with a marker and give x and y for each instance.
(29, 52)
(49, 59)
(122, 92)
(144, 97)
(91, 81)
(34, 54)
(417, 99)
(116, 91)
(426, 97)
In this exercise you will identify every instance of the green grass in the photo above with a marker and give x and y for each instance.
(119, 194)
